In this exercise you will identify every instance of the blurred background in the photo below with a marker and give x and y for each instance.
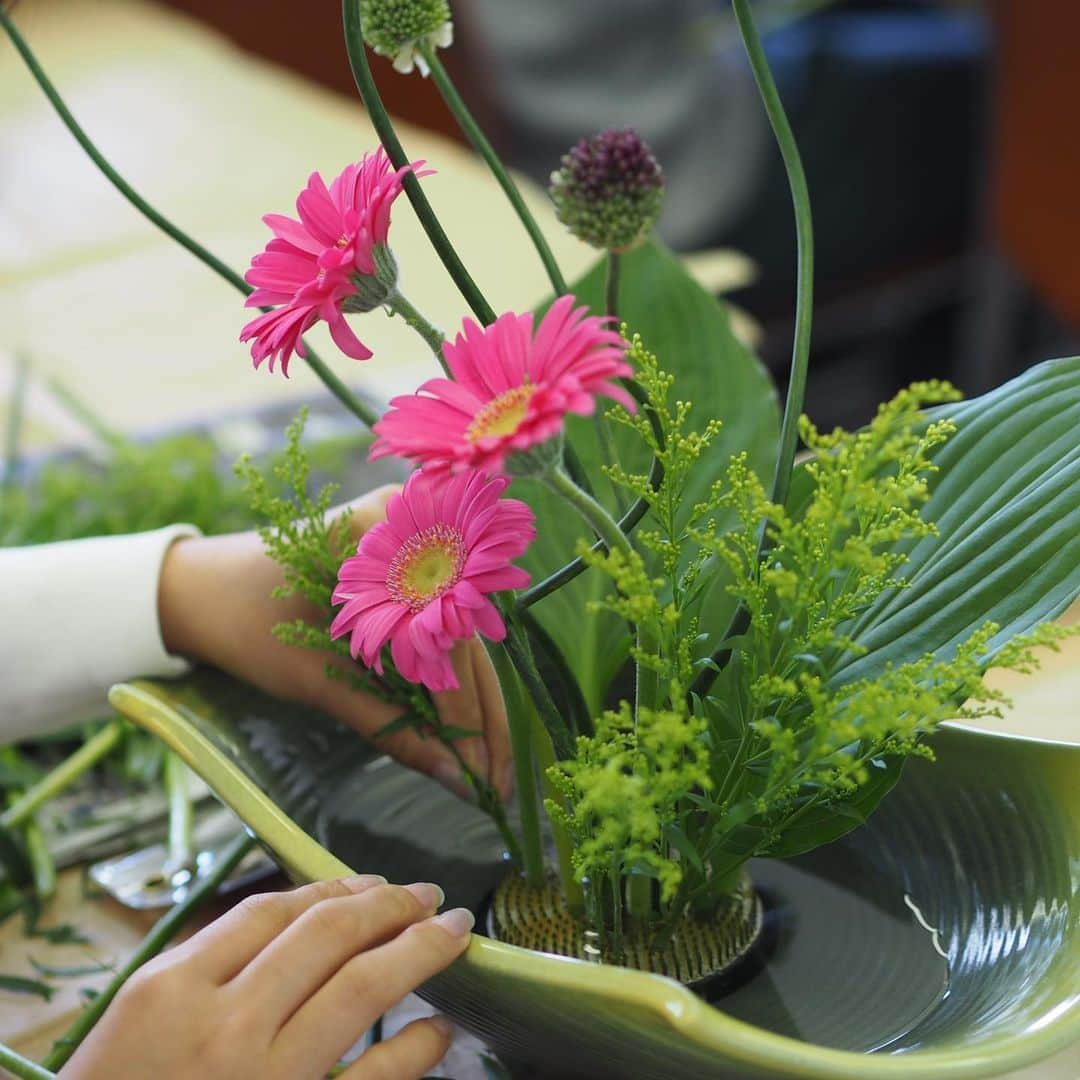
(935, 137)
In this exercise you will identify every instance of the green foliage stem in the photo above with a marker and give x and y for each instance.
(804, 302)
(384, 128)
(483, 147)
(164, 930)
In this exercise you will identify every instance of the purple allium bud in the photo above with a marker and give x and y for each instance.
(609, 189)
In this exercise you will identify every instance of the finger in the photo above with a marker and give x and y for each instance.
(363, 513)
(228, 944)
(315, 946)
(493, 710)
(368, 985)
(367, 715)
(410, 1054)
(461, 709)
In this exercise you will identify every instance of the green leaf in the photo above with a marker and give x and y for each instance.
(18, 984)
(50, 971)
(1006, 502)
(690, 332)
(681, 842)
(826, 823)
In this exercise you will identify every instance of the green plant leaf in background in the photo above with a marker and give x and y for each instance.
(1006, 501)
(690, 332)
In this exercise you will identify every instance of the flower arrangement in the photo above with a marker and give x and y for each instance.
(709, 650)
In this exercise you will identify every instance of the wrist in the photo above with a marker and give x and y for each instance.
(179, 596)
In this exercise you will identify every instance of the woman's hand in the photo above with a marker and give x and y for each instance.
(281, 987)
(215, 606)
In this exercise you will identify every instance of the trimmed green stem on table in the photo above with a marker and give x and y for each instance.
(41, 861)
(358, 408)
(21, 1067)
(181, 815)
(164, 930)
(480, 142)
(64, 775)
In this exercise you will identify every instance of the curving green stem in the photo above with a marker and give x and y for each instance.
(358, 408)
(21, 1067)
(627, 523)
(601, 522)
(804, 302)
(475, 134)
(164, 930)
(384, 128)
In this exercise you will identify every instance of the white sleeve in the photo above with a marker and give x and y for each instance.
(76, 617)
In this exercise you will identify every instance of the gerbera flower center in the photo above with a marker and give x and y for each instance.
(501, 415)
(426, 565)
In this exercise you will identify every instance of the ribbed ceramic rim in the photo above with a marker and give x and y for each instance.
(703, 1025)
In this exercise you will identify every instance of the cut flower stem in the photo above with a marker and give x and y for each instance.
(397, 304)
(384, 128)
(474, 133)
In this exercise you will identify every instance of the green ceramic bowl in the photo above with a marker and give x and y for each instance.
(939, 940)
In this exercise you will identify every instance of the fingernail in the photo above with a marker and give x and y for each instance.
(443, 1026)
(361, 882)
(449, 775)
(431, 896)
(457, 922)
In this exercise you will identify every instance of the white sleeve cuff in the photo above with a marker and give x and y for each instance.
(79, 616)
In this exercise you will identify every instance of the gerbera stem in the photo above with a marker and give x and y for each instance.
(384, 128)
(164, 930)
(475, 134)
(399, 305)
(601, 522)
(519, 715)
(357, 407)
(517, 647)
(804, 302)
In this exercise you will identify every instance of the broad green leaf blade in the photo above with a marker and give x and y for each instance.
(690, 331)
(823, 824)
(1007, 505)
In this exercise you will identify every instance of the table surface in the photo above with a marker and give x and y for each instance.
(216, 139)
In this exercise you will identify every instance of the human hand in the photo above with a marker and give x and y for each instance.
(215, 606)
(281, 987)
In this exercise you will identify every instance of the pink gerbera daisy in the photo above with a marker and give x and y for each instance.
(315, 267)
(510, 390)
(419, 580)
